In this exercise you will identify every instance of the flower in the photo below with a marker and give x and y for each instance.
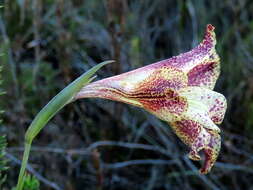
(179, 91)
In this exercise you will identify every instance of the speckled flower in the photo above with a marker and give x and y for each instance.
(179, 91)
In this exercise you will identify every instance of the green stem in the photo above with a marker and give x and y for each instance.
(56, 104)
(23, 166)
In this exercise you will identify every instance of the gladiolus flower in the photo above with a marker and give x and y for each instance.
(179, 91)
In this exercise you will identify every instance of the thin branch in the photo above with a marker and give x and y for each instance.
(129, 145)
(118, 165)
(88, 150)
(227, 167)
(36, 174)
(51, 150)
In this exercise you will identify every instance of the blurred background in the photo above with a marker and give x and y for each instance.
(99, 144)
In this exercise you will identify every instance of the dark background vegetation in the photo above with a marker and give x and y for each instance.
(99, 144)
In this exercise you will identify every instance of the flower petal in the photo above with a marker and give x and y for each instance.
(199, 138)
(211, 151)
(205, 102)
(204, 74)
(201, 64)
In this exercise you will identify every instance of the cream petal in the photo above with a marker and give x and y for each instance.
(202, 118)
(210, 103)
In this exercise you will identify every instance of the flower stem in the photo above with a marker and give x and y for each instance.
(23, 166)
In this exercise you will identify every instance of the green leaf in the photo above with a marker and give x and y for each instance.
(57, 103)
